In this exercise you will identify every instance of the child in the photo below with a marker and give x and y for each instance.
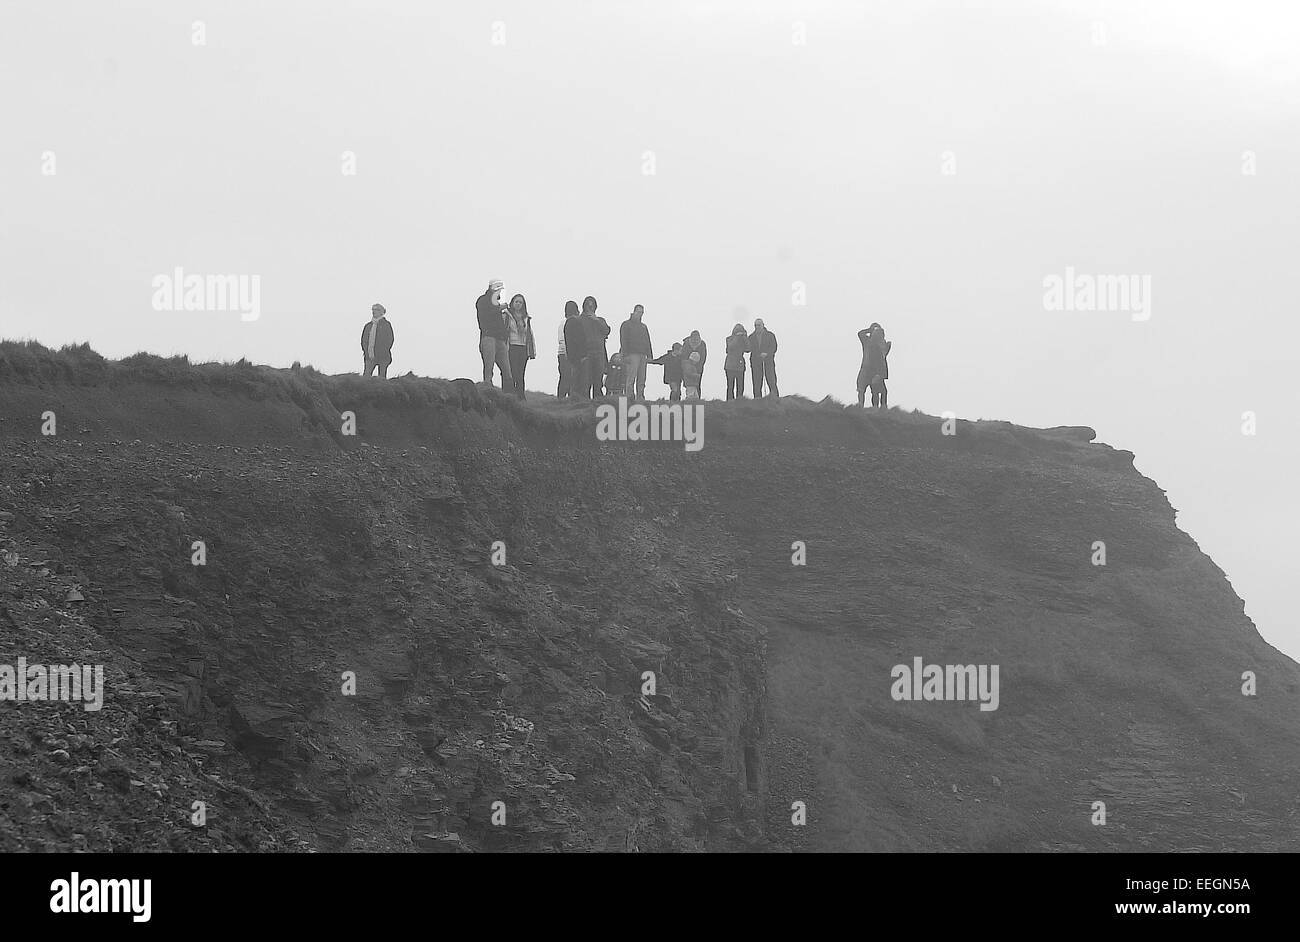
(691, 372)
(672, 364)
(614, 378)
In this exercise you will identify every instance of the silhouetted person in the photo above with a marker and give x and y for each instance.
(695, 344)
(575, 348)
(634, 344)
(562, 357)
(875, 366)
(597, 330)
(734, 364)
(672, 364)
(762, 359)
(377, 342)
(494, 335)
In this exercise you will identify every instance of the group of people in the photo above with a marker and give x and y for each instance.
(588, 371)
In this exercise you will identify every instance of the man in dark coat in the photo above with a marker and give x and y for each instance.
(377, 342)
(762, 359)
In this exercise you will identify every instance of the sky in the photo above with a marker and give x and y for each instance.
(821, 165)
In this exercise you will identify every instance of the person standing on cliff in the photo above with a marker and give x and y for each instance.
(494, 335)
(575, 350)
(522, 348)
(734, 364)
(695, 344)
(634, 344)
(597, 329)
(762, 359)
(875, 367)
(377, 342)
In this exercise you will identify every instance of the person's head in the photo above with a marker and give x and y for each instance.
(695, 335)
(617, 359)
(695, 358)
(638, 311)
(588, 305)
(377, 311)
(677, 348)
(738, 329)
(494, 290)
(518, 305)
(758, 323)
(570, 309)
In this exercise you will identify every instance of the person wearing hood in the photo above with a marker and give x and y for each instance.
(522, 348)
(672, 364)
(875, 367)
(634, 344)
(734, 364)
(762, 359)
(695, 344)
(494, 335)
(377, 342)
(597, 329)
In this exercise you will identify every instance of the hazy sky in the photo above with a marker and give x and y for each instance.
(920, 164)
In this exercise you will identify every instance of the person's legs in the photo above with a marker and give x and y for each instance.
(740, 381)
(639, 374)
(675, 391)
(518, 360)
(503, 364)
(731, 381)
(884, 395)
(769, 373)
(579, 386)
(370, 366)
(756, 374)
(383, 371)
(562, 388)
(487, 349)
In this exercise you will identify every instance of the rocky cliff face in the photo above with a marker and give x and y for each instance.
(471, 626)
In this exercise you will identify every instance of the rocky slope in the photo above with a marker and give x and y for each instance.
(501, 707)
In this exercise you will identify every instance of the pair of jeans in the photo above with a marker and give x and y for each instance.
(518, 366)
(372, 365)
(735, 383)
(495, 353)
(634, 375)
(675, 391)
(566, 377)
(761, 368)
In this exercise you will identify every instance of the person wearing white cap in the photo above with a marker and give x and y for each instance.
(494, 335)
(377, 342)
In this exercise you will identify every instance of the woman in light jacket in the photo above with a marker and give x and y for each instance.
(522, 348)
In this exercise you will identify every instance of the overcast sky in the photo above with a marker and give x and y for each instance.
(919, 164)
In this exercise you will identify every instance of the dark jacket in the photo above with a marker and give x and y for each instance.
(634, 337)
(575, 339)
(702, 350)
(737, 347)
(875, 356)
(597, 330)
(490, 321)
(672, 365)
(383, 340)
(763, 341)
